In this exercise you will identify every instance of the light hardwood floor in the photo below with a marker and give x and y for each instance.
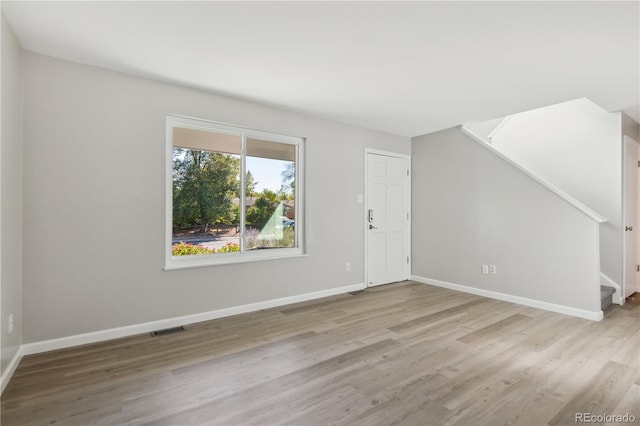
(405, 353)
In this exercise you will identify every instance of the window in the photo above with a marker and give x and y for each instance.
(233, 194)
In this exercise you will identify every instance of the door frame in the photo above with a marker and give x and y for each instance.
(407, 157)
(623, 284)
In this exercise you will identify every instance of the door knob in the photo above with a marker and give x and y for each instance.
(628, 228)
(372, 227)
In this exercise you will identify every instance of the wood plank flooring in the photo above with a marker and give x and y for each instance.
(401, 354)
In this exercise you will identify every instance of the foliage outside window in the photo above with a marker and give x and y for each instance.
(233, 194)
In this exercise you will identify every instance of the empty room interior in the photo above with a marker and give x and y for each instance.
(320, 213)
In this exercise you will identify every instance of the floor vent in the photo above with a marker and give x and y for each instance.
(355, 293)
(167, 331)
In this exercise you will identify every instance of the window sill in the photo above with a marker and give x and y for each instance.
(229, 259)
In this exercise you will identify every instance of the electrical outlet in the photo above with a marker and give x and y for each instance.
(10, 323)
(485, 269)
(492, 269)
(347, 266)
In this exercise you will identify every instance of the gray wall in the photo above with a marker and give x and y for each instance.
(94, 202)
(470, 208)
(11, 194)
(630, 127)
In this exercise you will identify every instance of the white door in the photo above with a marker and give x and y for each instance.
(630, 224)
(387, 218)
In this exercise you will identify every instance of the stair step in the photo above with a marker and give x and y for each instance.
(606, 296)
(606, 291)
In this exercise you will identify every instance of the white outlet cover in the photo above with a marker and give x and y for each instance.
(359, 199)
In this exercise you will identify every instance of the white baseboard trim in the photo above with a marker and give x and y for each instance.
(147, 327)
(567, 310)
(11, 368)
(618, 298)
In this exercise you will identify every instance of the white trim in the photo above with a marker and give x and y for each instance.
(233, 258)
(387, 153)
(242, 201)
(236, 129)
(181, 262)
(7, 374)
(569, 199)
(623, 218)
(365, 220)
(300, 194)
(147, 327)
(618, 299)
(494, 131)
(567, 310)
(407, 157)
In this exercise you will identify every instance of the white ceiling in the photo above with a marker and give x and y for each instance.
(407, 68)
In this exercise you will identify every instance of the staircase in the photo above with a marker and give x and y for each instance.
(526, 140)
(606, 296)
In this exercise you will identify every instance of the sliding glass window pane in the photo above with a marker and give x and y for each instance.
(270, 195)
(206, 184)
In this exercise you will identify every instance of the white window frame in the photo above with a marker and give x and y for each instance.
(180, 262)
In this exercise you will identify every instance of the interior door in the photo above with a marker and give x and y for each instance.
(631, 217)
(387, 218)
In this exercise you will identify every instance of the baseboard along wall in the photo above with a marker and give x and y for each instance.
(567, 310)
(11, 368)
(147, 327)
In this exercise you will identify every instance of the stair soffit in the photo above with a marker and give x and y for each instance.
(560, 193)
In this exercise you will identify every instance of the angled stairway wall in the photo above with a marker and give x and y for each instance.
(471, 207)
(576, 146)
